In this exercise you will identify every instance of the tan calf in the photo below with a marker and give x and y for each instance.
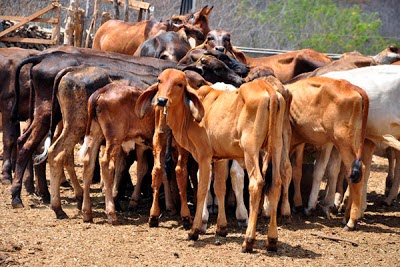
(245, 125)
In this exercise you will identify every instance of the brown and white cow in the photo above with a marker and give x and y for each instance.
(245, 125)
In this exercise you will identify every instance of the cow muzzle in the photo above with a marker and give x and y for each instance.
(162, 102)
(220, 49)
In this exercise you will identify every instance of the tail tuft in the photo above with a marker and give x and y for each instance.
(43, 156)
(84, 147)
(356, 171)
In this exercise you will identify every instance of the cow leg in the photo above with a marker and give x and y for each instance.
(339, 195)
(204, 181)
(209, 201)
(28, 179)
(60, 155)
(354, 205)
(157, 174)
(286, 174)
(221, 175)
(368, 152)
(142, 167)
(182, 180)
(10, 135)
(297, 168)
(390, 154)
(33, 136)
(237, 178)
(107, 164)
(333, 171)
(394, 189)
(318, 174)
(41, 188)
(89, 163)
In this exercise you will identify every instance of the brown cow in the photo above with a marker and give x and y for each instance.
(245, 125)
(105, 107)
(125, 37)
(285, 66)
(326, 113)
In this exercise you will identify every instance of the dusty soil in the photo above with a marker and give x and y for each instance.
(32, 236)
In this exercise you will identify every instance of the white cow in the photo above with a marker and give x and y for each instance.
(382, 84)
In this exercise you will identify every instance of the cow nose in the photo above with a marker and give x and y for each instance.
(220, 49)
(161, 101)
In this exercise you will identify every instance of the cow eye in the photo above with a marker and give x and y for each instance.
(158, 80)
(180, 85)
(210, 38)
(164, 57)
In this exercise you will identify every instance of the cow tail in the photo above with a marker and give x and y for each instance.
(356, 168)
(273, 110)
(34, 60)
(54, 101)
(92, 104)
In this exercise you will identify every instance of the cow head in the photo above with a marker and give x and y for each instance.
(388, 56)
(214, 70)
(170, 92)
(195, 54)
(219, 40)
(171, 46)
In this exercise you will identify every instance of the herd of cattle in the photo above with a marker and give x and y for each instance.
(157, 85)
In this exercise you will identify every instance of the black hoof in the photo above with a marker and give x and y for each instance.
(286, 219)
(248, 245)
(61, 215)
(272, 244)
(45, 198)
(194, 236)
(187, 223)
(298, 210)
(153, 221)
(16, 203)
(384, 204)
(223, 232)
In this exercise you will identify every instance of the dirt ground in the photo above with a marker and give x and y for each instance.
(32, 236)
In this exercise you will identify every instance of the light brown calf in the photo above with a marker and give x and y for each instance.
(245, 125)
(326, 113)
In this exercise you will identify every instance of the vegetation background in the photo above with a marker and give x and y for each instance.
(330, 26)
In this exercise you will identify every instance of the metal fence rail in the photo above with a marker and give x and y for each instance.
(265, 52)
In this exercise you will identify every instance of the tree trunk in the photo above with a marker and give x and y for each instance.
(116, 9)
(126, 10)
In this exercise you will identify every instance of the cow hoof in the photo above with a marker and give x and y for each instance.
(16, 203)
(5, 181)
(194, 235)
(187, 223)
(61, 215)
(383, 203)
(242, 223)
(45, 198)
(222, 231)
(153, 221)
(272, 244)
(133, 204)
(298, 209)
(308, 212)
(248, 244)
(87, 217)
(79, 201)
(286, 219)
(348, 228)
(66, 184)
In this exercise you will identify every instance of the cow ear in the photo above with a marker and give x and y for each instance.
(145, 100)
(193, 103)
